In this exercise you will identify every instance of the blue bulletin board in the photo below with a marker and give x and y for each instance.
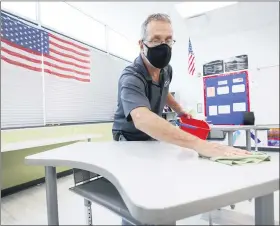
(226, 98)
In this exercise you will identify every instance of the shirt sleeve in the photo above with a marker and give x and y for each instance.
(133, 95)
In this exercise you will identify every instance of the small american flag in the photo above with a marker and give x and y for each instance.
(35, 49)
(191, 62)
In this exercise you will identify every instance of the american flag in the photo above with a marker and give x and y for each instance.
(34, 49)
(191, 59)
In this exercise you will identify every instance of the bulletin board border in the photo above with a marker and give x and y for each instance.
(227, 74)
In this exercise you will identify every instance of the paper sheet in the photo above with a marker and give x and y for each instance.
(239, 107)
(222, 90)
(211, 91)
(238, 88)
(224, 109)
(213, 110)
(224, 82)
(237, 80)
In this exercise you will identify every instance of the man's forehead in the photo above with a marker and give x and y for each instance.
(159, 28)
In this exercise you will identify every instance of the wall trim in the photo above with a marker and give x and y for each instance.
(29, 184)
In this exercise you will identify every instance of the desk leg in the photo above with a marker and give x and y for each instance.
(264, 210)
(230, 138)
(87, 204)
(248, 140)
(256, 140)
(51, 191)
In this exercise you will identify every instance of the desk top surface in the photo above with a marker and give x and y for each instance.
(46, 141)
(160, 182)
(243, 127)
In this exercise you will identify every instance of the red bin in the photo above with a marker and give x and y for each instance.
(195, 127)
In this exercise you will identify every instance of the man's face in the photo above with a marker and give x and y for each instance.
(158, 32)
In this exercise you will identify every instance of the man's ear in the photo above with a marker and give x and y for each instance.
(141, 45)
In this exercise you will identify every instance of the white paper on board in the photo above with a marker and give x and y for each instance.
(222, 90)
(237, 80)
(239, 107)
(224, 82)
(213, 110)
(224, 109)
(238, 88)
(211, 92)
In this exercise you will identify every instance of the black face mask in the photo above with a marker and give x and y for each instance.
(159, 56)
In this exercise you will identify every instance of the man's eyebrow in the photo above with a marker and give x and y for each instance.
(159, 37)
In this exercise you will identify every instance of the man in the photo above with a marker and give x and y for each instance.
(144, 90)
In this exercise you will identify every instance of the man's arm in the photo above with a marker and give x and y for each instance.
(137, 108)
(162, 130)
(171, 102)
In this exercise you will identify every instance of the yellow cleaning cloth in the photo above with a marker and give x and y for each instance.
(255, 158)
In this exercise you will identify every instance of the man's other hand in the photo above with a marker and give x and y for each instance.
(185, 114)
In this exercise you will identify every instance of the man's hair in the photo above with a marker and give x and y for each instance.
(157, 17)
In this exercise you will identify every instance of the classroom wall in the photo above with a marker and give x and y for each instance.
(250, 28)
(13, 169)
(125, 19)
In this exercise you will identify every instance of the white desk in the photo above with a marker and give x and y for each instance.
(162, 183)
(44, 142)
(232, 128)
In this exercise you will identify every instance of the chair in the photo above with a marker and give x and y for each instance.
(248, 118)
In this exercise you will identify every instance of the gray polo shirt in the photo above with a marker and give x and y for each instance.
(136, 89)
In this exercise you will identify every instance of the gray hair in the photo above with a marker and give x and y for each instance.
(157, 17)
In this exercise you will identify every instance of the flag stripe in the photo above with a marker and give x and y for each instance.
(20, 56)
(20, 64)
(21, 60)
(191, 60)
(65, 62)
(58, 71)
(65, 76)
(20, 47)
(69, 43)
(65, 69)
(68, 56)
(69, 49)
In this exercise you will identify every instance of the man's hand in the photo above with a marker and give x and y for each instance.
(184, 114)
(209, 149)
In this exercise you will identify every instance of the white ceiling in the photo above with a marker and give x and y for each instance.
(239, 17)
(191, 9)
(124, 17)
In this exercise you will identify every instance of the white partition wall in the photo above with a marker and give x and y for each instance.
(63, 80)
(21, 97)
(105, 76)
(70, 101)
(21, 74)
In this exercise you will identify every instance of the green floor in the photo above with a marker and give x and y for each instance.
(15, 172)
